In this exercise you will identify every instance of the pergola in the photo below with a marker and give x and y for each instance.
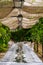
(31, 11)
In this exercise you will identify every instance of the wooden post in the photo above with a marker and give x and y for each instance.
(37, 46)
(42, 49)
(34, 45)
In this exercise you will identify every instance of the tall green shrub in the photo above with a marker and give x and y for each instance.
(4, 37)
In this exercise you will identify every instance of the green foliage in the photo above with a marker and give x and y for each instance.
(33, 34)
(21, 35)
(4, 37)
(37, 31)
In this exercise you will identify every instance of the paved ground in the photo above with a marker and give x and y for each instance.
(12, 63)
(32, 58)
